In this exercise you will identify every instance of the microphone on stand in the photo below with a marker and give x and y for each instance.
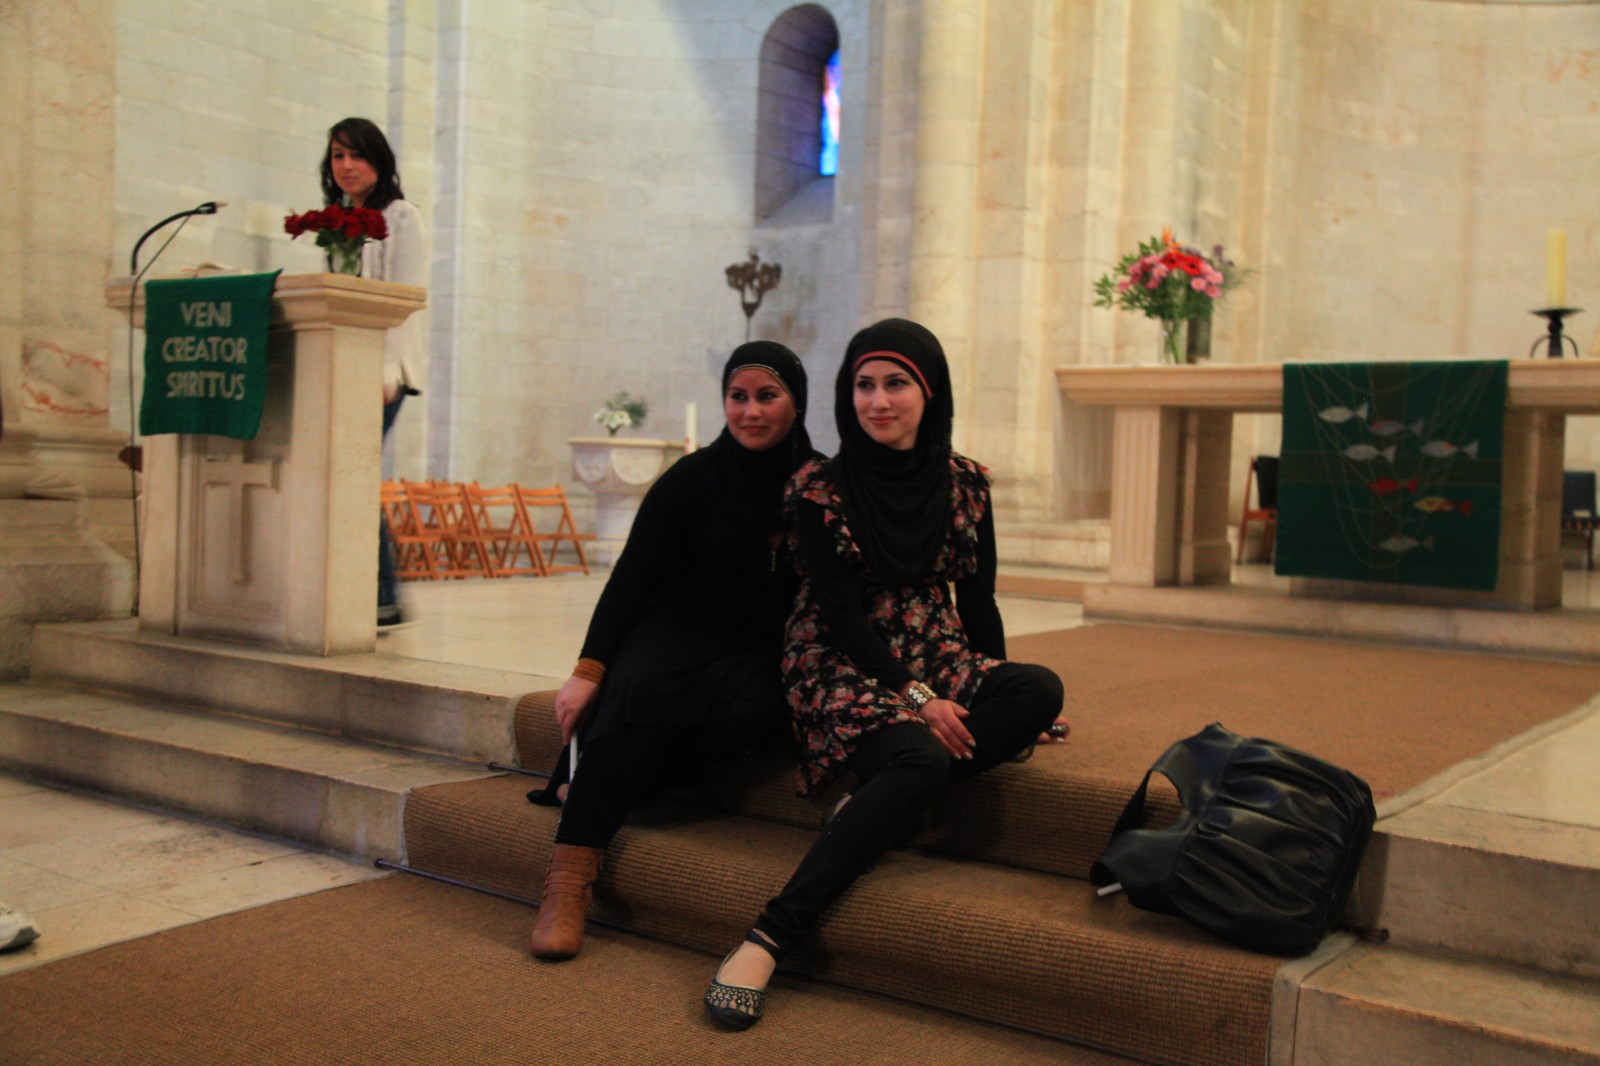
(133, 454)
(208, 208)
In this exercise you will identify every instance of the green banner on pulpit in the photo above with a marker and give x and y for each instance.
(205, 355)
(1390, 472)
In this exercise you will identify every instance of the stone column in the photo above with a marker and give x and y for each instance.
(56, 119)
(949, 95)
(56, 214)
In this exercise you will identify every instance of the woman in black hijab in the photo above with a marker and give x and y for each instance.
(679, 668)
(886, 673)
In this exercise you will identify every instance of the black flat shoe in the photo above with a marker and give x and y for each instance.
(734, 1006)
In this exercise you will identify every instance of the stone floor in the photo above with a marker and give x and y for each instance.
(94, 872)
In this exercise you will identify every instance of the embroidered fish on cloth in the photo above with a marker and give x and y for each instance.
(1342, 414)
(1402, 543)
(1391, 472)
(1388, 427)
(1435, 504)
(1443, 449)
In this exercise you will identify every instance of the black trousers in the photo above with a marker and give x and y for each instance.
(902, 768)
(617, 772)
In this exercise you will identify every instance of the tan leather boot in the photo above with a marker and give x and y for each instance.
(568, 887)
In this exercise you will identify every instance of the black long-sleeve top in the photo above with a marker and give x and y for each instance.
(685, 554)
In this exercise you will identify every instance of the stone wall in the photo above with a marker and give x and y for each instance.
(1389, 167)
(608, 180)
(1431, 146)
(231, 101)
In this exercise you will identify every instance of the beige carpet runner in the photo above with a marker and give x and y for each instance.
(1018, 937)
(404, 970)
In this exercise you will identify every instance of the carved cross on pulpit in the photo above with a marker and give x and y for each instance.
(237, 476)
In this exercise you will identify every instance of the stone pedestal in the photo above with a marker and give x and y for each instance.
(274, 540)
(619, 470)
(53, 570)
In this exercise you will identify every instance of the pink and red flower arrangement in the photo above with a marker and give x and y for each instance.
(341, 230)
(1170, 282)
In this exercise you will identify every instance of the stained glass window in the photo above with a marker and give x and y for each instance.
(828, 158)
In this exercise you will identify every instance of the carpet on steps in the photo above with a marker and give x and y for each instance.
(1396, 716)
(407, 970)
(1022, 948)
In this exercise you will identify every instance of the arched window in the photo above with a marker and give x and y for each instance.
(828, 157)
(799, 73)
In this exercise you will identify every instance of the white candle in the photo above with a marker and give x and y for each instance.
(688, 427)
(1555, 278)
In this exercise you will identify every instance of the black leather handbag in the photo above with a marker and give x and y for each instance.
(1265, 852)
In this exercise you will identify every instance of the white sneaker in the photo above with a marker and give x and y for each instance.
(16, 928)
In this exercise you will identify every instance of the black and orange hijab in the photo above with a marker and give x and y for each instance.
(897, 503)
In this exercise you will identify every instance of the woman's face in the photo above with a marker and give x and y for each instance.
(760, 412)
(355, 176)
(889, 403)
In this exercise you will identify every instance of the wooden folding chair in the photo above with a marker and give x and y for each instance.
(412, 560)
(566, 531)
(1264, 475)
(448, 532)
(507, 536)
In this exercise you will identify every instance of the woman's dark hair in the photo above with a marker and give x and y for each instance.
(363, 135)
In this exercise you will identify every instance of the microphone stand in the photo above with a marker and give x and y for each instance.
(133, 455)
(207, 208)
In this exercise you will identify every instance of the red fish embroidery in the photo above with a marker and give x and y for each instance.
(1385, 485)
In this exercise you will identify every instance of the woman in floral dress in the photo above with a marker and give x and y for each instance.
(888, 673)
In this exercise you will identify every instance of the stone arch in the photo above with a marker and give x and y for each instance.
(794, 53)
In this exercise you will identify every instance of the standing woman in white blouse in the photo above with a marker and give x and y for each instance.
(358, 170)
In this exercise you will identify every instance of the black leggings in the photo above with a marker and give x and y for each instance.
(619, 771)
(902, 768)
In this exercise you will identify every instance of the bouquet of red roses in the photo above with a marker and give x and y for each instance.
(342, 231)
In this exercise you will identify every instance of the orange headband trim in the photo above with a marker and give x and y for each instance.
(896, 357)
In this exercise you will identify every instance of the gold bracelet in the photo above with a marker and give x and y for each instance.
(590, 670)
(918, 695)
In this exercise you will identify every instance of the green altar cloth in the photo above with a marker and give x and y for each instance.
(1390, 472)
(205, 355)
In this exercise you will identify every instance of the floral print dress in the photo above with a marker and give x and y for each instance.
(834, 705)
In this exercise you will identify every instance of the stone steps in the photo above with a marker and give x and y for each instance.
(1082, 545)
(1499, 887)
(1015, 947)
(460, 711)
(311, 749)
(1390, 1004)
(332, 793)
(1042, 814)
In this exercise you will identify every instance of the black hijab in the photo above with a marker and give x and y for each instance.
(751, 483)
(897, 502)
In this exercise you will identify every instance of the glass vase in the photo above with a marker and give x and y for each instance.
(345, 259)
(1171, 332)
